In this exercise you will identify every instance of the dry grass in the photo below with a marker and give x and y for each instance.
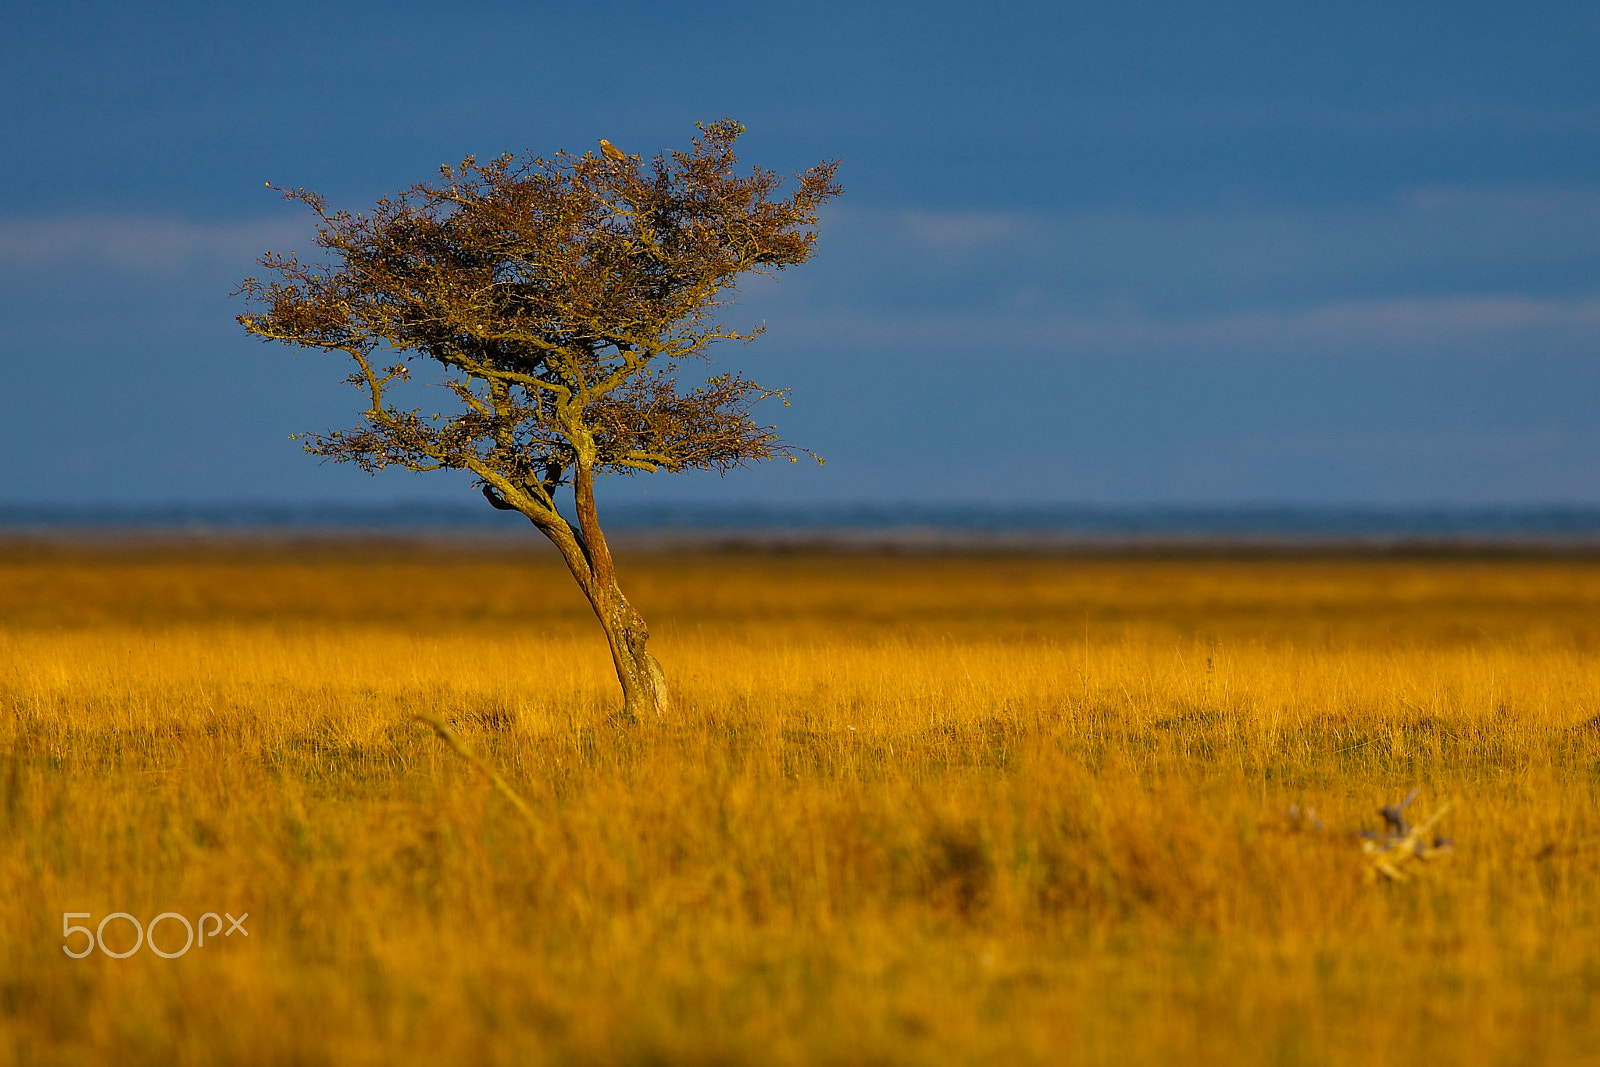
(912, 810)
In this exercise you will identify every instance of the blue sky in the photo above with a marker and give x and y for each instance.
(1112, 253)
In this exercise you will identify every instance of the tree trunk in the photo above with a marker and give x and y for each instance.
(644, 686)
(588, 557)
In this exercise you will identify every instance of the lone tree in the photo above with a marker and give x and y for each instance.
(561, 298)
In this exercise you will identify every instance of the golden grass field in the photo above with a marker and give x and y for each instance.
(910, 809)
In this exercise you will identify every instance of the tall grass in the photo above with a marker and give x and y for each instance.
(909, 810)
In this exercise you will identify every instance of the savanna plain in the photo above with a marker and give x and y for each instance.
(914, 808)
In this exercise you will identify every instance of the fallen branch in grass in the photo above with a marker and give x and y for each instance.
(450, 738)
(1389, 850)
(1400, 842)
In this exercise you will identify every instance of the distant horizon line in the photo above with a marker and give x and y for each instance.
(1562, 521)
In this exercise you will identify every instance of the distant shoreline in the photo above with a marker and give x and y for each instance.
(863, 542)
(917, 527)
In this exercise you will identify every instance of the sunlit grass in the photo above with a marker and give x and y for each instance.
(910, 809)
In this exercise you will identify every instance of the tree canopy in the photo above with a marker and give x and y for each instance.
(564, 297)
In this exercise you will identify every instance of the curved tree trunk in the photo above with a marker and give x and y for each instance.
(588, 557)
(644, 686)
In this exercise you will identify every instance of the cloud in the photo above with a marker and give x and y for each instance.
(1427, 267)
(946, 231)
(1402, 322)
(1418, 237)
(137, 245)
(1407, 323)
